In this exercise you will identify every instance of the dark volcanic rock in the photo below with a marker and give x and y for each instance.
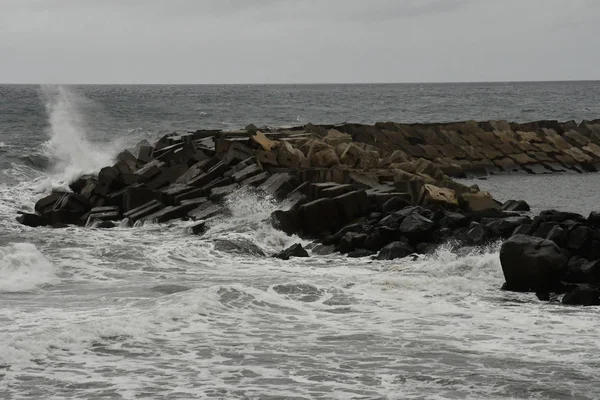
(506, 226)
(579, 238)
(558, 235)
(352, 241)
(416, 227)
(394, 204)
(583, 295)
(581, 270)
(454, 220)
(295, 250)
(32, 220)
(395, 250)
(532, 264)
(516, 205)
(360, 253)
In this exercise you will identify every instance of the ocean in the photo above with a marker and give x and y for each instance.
(156, 313)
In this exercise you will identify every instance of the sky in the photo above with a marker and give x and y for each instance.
(298, 41)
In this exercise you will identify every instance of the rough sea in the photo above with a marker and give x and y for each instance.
(156, 313)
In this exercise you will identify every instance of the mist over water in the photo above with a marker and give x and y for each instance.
(155, 312)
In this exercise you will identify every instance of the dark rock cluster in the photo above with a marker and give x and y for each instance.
(555, 252)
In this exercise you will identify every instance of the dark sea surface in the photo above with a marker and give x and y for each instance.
(156, 313)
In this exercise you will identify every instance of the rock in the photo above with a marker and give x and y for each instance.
(579, 238)
(326, 158)
(416, 227)
(335, 137)
(322, 250)
(594, 218)
(524, 229)
(582, 295)
(439, 196)
(481, 201)
(246, 173)
(264, 142)
(532, 264)
(108, 213)
(320, 216)
(360, 253)
(516, 205)
(134, 197)
(47, 203)
(203, 179)
(581, 270)
(279, 185)
(295, 250)
(351, 155)
(558, 235)
(454, 220)
(352, 241)
(219, 193)
(205, 211)
(353, 204)
(106, 225)
(289, 222)
(288, 156)
(243, 247)
(395, 250)
(394, 204)
(476, 235)
(32, 220)
(144, 210)
(504, 227)
(396, 157)
(199, 228)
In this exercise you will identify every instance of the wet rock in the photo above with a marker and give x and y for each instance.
(353, 204)
(394, 204)
(580, 270)
(524, 229)
(582, 295)
(106, 225)
(279, 185)
(108, 213)
(532, 264)
(594, 218)
(295, 250)
(558, 235)
(246, 173)
(219, 193)
(395, 250)
(579, 238)
(352, 241)
(205, 211)
(360, 253)
(516, 205)
(322, 250)
(443, 197)
(320, 216)
(289, 222)
(452, 220)
(544, 228)
(244, 247)
(416, 227)
(32, 220)
(476, 235)
(506, 226)
(47, 203)
(474, 202)
(198, 229)
(144, 210)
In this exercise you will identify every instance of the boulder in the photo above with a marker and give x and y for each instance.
(558, 235)
(504, 227)
(532, 264)
(219, 193)
(320, 216)
(352, 241)
(360, 253)
(205, 211)
(198, 228)
(353, 156)
(144, 210)
(579, 238)
(289, 222)
(289, 156)
(353, 204)
(581, 270)
(516, 205)
(480, 201)
(279, 185)
(263, 141)
(335, 137)
(443, 197)
(325, 158)
(476, 235)
(395, 250)
(394, 204)
(397, 157)
(47, 203)
(594, 218)
(32, 220)
(452, 220)
(582, 295)
(295, 250)
(416, 227)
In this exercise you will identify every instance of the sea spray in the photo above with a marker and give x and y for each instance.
(24, 268)
(69, 146)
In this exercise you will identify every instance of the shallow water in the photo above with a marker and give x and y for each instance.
(154, 312)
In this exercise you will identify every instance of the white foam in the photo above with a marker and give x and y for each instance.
(24, 268)
(69, 146)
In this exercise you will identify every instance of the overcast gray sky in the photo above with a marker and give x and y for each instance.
(297, 41)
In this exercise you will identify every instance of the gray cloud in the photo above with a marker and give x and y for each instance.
(214, 41)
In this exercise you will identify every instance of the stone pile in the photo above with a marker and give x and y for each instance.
(556, 252)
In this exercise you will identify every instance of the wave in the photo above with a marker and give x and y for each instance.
(24, 268)
(69, 147)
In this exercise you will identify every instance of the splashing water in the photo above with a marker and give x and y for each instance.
(23, 268)
(69, 148)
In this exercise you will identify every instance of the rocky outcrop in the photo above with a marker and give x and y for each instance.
(555, 252)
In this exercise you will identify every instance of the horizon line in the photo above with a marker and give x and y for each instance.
(308, 83)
